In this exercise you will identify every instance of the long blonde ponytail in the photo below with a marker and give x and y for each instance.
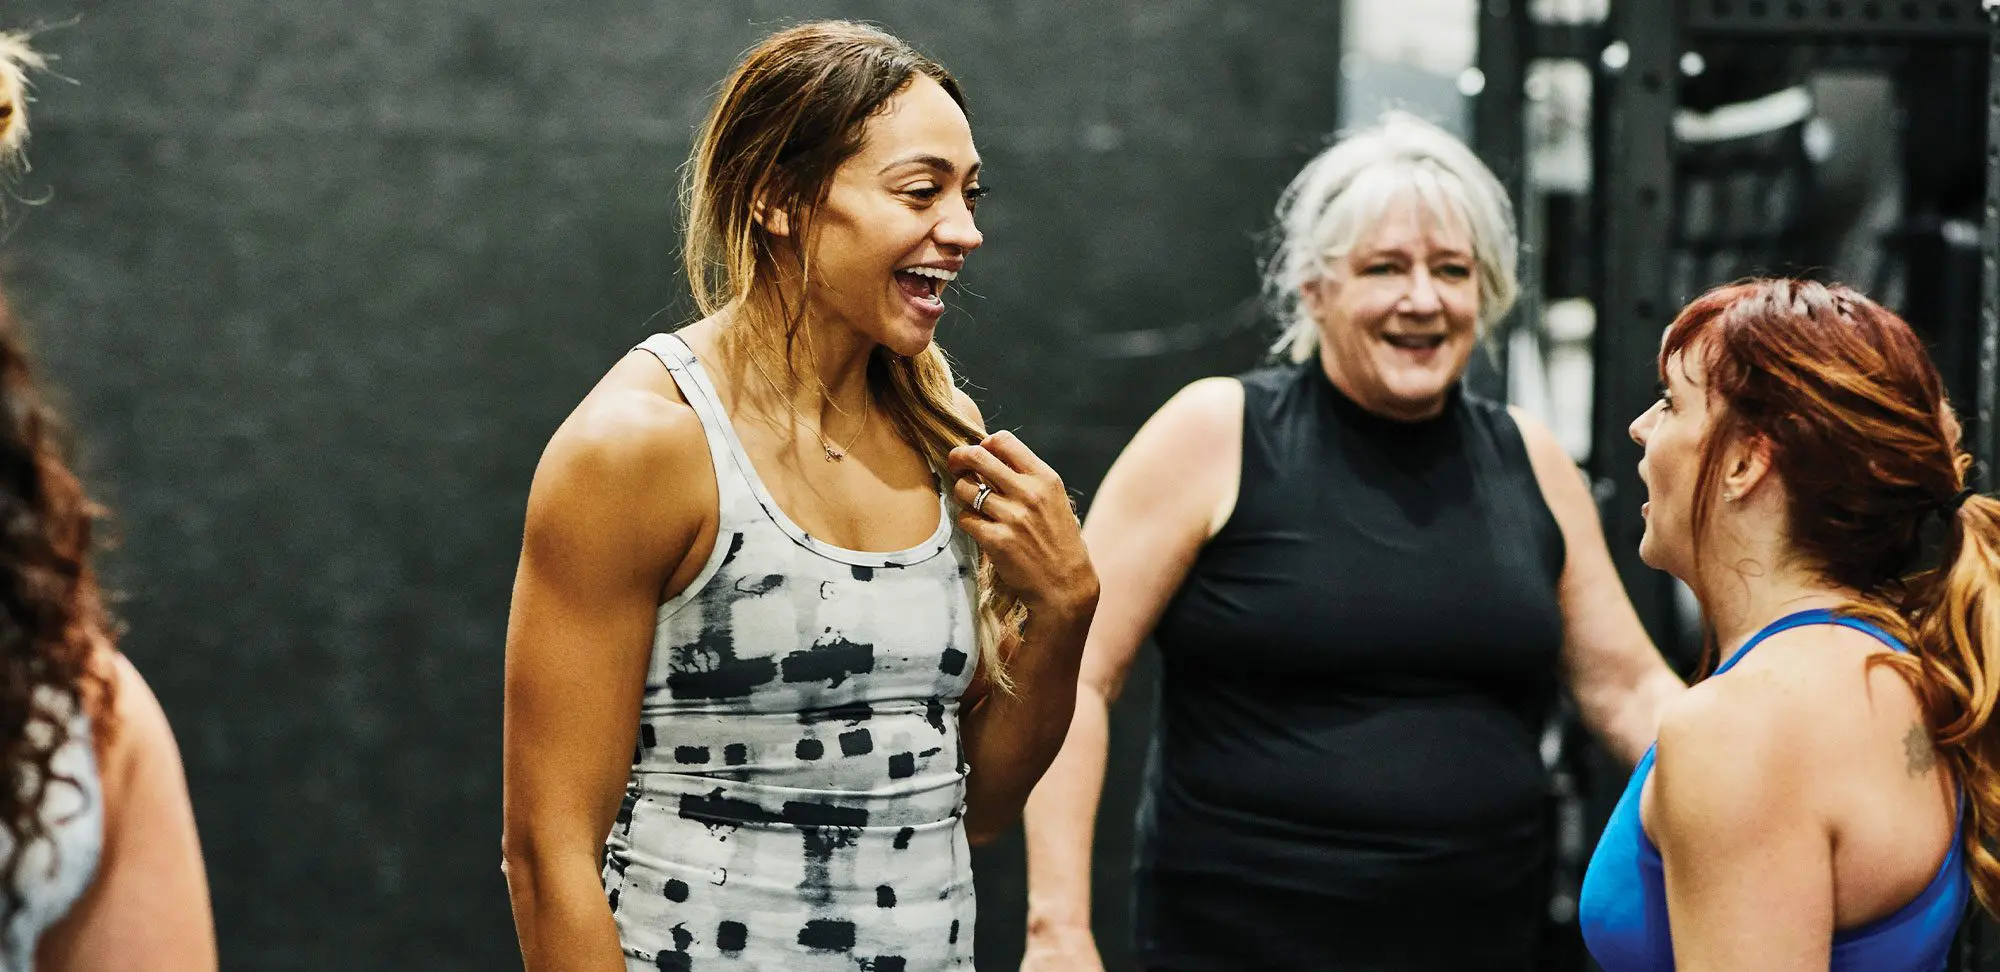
(1951, 621)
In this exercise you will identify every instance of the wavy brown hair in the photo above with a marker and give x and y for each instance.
(792, 111)
(52, 616)
(1868, 449)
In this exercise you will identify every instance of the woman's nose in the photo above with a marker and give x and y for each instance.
(1642, 426)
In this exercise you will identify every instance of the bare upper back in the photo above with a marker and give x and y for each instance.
(1836, 740)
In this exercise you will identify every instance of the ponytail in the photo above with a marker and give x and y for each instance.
(1951, 620)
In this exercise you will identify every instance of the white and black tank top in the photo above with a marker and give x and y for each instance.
(798, 787)
(58, 868)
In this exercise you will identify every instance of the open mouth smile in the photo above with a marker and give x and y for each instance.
(1415, 342)
(924, 286)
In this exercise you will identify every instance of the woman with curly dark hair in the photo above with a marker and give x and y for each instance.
(100, 867)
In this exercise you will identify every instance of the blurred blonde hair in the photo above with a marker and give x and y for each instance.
(16, 60)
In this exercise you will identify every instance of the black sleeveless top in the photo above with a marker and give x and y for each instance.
(1355, 676)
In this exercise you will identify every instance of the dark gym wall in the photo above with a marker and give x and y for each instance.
(317, 280)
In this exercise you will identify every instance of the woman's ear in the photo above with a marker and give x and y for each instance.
(776, 222)
(1311, 294)
(1746, 465)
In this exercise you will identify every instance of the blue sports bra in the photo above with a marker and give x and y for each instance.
(1623, 911)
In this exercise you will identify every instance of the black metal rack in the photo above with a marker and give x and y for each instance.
(1634, 191)
(1819, 21)
(1635, 197)
(1637, 219)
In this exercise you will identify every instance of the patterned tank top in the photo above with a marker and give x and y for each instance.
(56, 869)
(798, 787)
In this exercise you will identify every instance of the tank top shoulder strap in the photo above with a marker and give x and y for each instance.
(736, 495)
(1498, 450)
(1264, 391)
(1496, 426)
(1262, 387)
(1801, 619)
(1870, 628)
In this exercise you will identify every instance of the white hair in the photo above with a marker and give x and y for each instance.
(16, 59)
(1340, 195)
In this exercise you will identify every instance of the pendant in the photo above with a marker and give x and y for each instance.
(833, 454)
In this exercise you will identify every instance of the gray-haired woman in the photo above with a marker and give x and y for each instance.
(1366, 585)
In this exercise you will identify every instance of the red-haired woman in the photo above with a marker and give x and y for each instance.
(1824, 799)
(99, 864)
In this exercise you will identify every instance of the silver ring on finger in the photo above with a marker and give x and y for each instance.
(979, 498)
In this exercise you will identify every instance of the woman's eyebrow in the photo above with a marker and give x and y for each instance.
(943, 165)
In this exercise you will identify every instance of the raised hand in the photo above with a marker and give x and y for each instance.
(1014, 505)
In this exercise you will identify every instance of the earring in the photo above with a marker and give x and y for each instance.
(1729, 497)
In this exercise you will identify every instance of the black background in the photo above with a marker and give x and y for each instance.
(318, 279)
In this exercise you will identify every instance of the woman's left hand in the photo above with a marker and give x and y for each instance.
(1024, 522)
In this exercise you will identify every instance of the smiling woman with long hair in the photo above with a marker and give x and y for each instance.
(763, 685)
(99, 864)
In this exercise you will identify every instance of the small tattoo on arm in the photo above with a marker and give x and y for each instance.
(1918, 750)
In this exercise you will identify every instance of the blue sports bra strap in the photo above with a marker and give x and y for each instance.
(1870, 628)
(1798, 619)
(1804, 618)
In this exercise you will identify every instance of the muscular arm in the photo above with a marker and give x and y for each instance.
(1158, 504)
(147, 907)
(1615, 674)
(599, 546)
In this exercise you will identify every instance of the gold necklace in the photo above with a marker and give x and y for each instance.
(833, 452)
